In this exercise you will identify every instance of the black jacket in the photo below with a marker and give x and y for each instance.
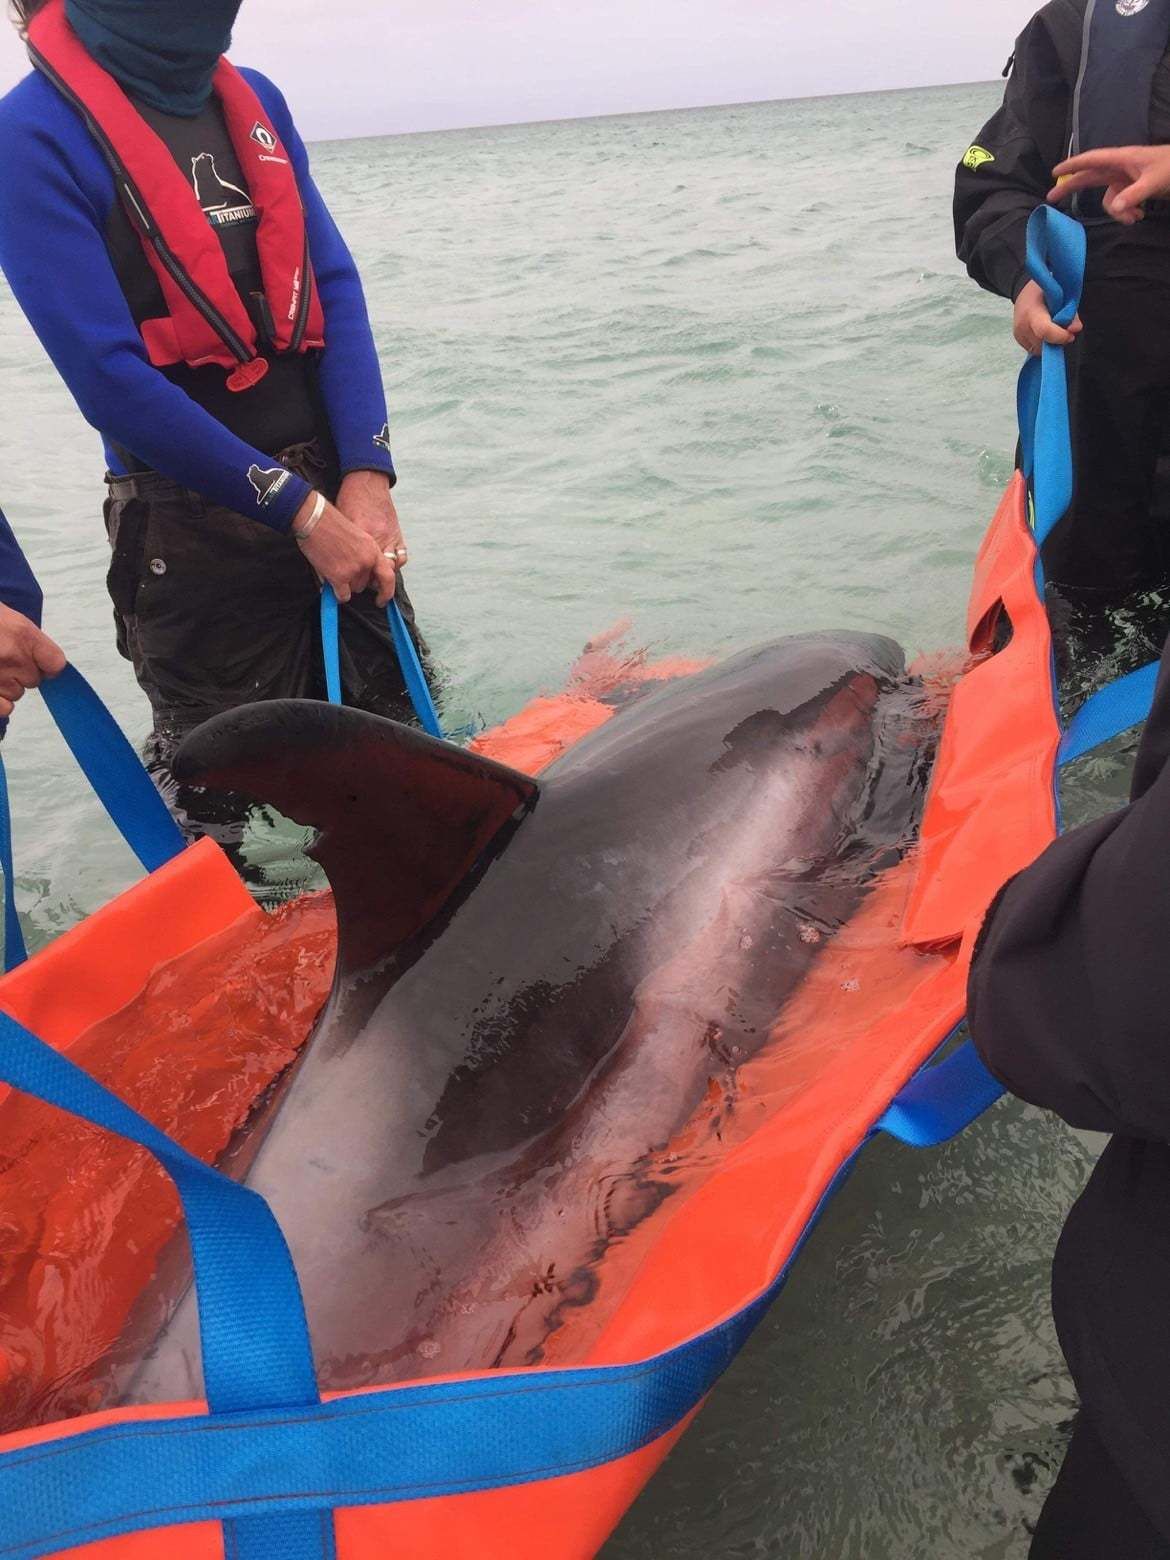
(1070, 1008)
(1027, 138)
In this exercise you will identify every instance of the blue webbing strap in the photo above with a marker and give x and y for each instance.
(113, 769)
(373, 1449)
(941, 1101)
(15, 951)
(331, 644)
(412, 671)
(1056, 261)
(255, 1339)
(1107, 713)
(116, 774)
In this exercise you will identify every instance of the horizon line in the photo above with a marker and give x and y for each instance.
(645, 113)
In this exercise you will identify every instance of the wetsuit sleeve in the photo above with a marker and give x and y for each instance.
(1007, 172)
(54, 255)
(18, 586)
(351, 375)
(1070, 988)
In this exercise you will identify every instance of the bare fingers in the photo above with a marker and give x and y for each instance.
(385, 580)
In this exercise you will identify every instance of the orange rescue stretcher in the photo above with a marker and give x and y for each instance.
(542, 1463)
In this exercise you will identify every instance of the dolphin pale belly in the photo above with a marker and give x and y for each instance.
(539, 982)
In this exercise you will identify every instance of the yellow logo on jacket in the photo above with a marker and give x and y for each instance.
(975, 157)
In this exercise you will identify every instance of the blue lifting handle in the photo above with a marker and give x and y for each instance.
(1110, 711)
(118, 778)
(404, 646)
(942, 1101)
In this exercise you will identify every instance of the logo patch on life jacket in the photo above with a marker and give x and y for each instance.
(263, 136)
(976, 156)
(382, 440)
(223, 204)
(267, 482)
(1131, 7)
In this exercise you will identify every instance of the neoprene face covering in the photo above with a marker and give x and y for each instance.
(162, 51)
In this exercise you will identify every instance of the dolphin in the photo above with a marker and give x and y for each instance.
(538, 982)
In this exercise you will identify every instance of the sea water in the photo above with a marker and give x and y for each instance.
(717, 372)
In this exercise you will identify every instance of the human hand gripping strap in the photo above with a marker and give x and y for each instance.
(118, 778)
(408, 659)
(255, 1338)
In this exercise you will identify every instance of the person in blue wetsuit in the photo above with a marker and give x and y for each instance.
(27, 656)
(161, 230)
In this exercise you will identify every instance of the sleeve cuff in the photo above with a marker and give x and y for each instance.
(375, 462)
(280, 512)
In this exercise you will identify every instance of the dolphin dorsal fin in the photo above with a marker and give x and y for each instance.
(403, 820)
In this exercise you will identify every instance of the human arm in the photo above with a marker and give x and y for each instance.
(1005, 174)
(1129, 175)
(1070, 988)
(27, 655)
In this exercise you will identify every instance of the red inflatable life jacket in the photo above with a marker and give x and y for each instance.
(207, 320)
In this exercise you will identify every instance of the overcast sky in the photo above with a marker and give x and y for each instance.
(365, 67)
